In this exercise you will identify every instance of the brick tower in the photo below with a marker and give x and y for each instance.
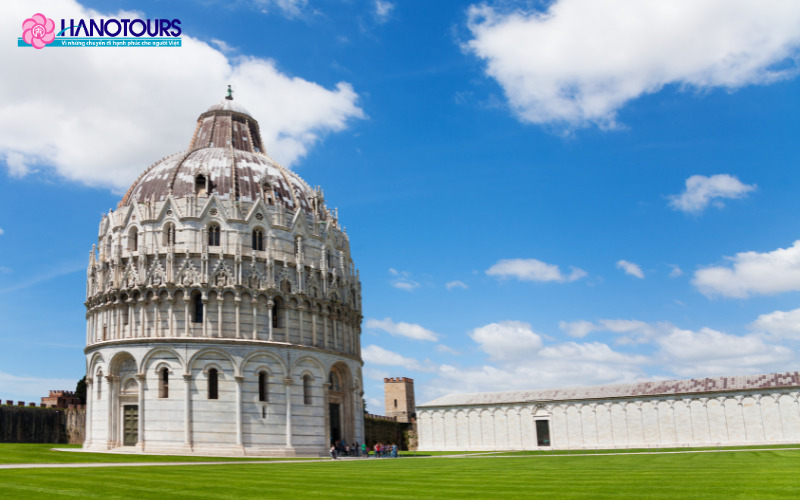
(399, 398)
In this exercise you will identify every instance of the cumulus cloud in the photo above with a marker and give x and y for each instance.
(630, 268)
(581, 61)
(533, 270)
(402, 280)
(779, 324)
(577, 329)
(380, 356)
(507, 340)
(676, 271)
(752, 273)
(701, 191)
(631, 331)
(402, 329)
(450, 284)
(106, 118)
(383, 10)
(709, 352)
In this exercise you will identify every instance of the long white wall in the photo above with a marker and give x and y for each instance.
(708, 420)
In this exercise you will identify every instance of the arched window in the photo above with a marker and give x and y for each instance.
(334, 381)
(133, 239)
(276, 309)
(306, 389)
(258, 239)
(213, 384)
(169, 234)
(395, 403)
(197, 306)
(200, 185)
(163, 383)
(124, 311)
(263, 387)
(329, 257)
(213, 235)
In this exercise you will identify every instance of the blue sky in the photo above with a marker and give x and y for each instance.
(538, 194)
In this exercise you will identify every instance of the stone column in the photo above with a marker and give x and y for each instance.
(141, 378)
(110, 404)
(270, 304)
(142, 318)
(204, 300)
(186, 299)
(313, 328)
(131, 319)
(300, 310)
(238, 301)
(220, 299)
(287, 383)
(187, 410)
(325, 330)
(254, 306)
(171, 318)
(156, 317)
(89, 397)
(238, 379)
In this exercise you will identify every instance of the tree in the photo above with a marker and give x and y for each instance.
(80, 390)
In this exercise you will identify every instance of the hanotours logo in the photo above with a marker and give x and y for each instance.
(39, 31)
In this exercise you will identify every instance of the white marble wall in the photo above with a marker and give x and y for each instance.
(235, 423)
(698, 420)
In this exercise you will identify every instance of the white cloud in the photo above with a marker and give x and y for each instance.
(402, 329)
(402, 280)
(630, 268)
(709, 352)
(383, 10)
(31, 389)
(580, 61)
(288, 8)
(450, 284)
(632, 331)
(106, 118)
(779, 324)
(1, 231)
(752, 273)
(533, 270)
(222, 45)
(702, 190)
(507, 340)
(380, 356)
(578, 329)
(676, 271)
(447, 350)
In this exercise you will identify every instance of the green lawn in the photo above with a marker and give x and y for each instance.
(723, 475)
(43, 454)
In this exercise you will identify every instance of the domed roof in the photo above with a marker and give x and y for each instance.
(227, 156)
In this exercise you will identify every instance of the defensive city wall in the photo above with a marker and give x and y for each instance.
(41, 424)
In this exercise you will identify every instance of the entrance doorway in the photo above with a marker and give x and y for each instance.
(130, 425)
(543, 432)
(336, 422)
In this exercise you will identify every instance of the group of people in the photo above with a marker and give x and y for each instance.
(340, 449)
(385, 450)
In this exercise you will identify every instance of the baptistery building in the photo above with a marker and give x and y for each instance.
(223, 308)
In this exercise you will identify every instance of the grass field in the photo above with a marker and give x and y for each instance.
(747, 474)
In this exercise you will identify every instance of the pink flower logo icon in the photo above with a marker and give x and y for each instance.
(38, 31)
